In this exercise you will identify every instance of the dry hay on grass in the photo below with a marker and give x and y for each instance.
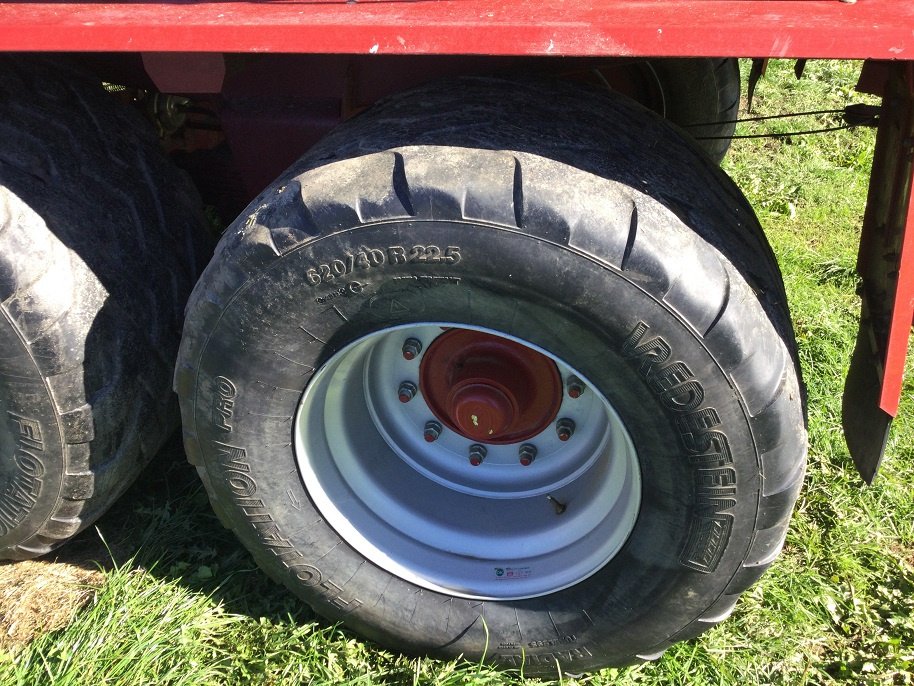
(38, 596)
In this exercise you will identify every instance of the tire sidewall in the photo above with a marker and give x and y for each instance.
(699, 501)
(30, 440)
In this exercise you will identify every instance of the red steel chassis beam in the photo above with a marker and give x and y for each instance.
(848, 29)
(879, 29)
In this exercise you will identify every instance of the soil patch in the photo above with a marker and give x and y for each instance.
(37, 596)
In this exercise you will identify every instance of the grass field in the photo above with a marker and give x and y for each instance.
(177, 602)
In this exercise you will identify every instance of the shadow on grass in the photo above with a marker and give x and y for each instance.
(164, 525)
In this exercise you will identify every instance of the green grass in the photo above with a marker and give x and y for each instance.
(185, 606)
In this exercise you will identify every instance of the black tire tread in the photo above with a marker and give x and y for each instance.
(135, 275)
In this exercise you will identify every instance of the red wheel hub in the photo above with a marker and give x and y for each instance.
(489, 389)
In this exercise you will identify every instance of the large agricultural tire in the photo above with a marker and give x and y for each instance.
(101, 241)
(700, 95)
(571, 238)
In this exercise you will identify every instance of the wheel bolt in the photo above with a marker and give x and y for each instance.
(575, 387)
(564, 428)
(477, 454)
(407, 391)
(432, 431)
(411, 348)
(527, 454)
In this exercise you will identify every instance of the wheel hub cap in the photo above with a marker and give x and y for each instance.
(488, 388)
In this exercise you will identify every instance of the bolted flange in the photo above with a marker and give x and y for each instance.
(565, 428)
(407, 391)
(574, 387)
(477, 454)
(411, 348)
(432, 431)
(526, 454)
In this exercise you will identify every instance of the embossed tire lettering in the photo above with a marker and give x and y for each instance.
(590, 239)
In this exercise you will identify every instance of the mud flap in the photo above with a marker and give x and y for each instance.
(886, 267)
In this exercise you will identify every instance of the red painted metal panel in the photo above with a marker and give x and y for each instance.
(762, 28)
(886, 266)
(903, 308)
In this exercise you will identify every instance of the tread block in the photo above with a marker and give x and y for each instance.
(44, 302)
(476, 184)
(79, 458)
(288, 220)
(744, 578)
(651, 657)
(78, 425)
(776, 508)
(60, 527)
(720, 610)
(766, 545)
(192, 448)
(364, 190)
(78, 486)
(761, 374)
(700, 290)
(25, 552)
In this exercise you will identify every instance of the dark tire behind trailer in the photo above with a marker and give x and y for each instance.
(101, 241)
(699, 95)
(575, 224)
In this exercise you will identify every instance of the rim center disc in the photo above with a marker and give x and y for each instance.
(488, 388)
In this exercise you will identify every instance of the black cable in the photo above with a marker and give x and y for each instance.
(776, 135)
(770, 116)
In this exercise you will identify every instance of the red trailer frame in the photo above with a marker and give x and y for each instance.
(868, 29)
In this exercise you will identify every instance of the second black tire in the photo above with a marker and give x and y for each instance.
(579, 228)
(699, 95)
(101, 240)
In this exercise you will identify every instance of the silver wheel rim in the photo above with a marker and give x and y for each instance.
(498, 530)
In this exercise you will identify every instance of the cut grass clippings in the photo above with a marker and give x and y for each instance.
(38, 596)
(181, 603)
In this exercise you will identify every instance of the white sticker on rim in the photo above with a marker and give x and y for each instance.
(512, 573)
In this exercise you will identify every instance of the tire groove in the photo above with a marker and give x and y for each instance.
(630, 238)
(518, 194)
(723, 306)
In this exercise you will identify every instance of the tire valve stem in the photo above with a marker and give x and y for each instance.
(559, 507)
(575, 387)
(565, 428)
(411, 348)
(527, 454)
(477, 454)
(432, 431)
(407, 391)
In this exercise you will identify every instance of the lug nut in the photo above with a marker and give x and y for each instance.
(407, 391)
(575, 387)
(527, 454)
(477, 454)
(411, 348)
(432, 431)
(564, 428)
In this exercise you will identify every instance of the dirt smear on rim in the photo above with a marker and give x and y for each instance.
(38, 596)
